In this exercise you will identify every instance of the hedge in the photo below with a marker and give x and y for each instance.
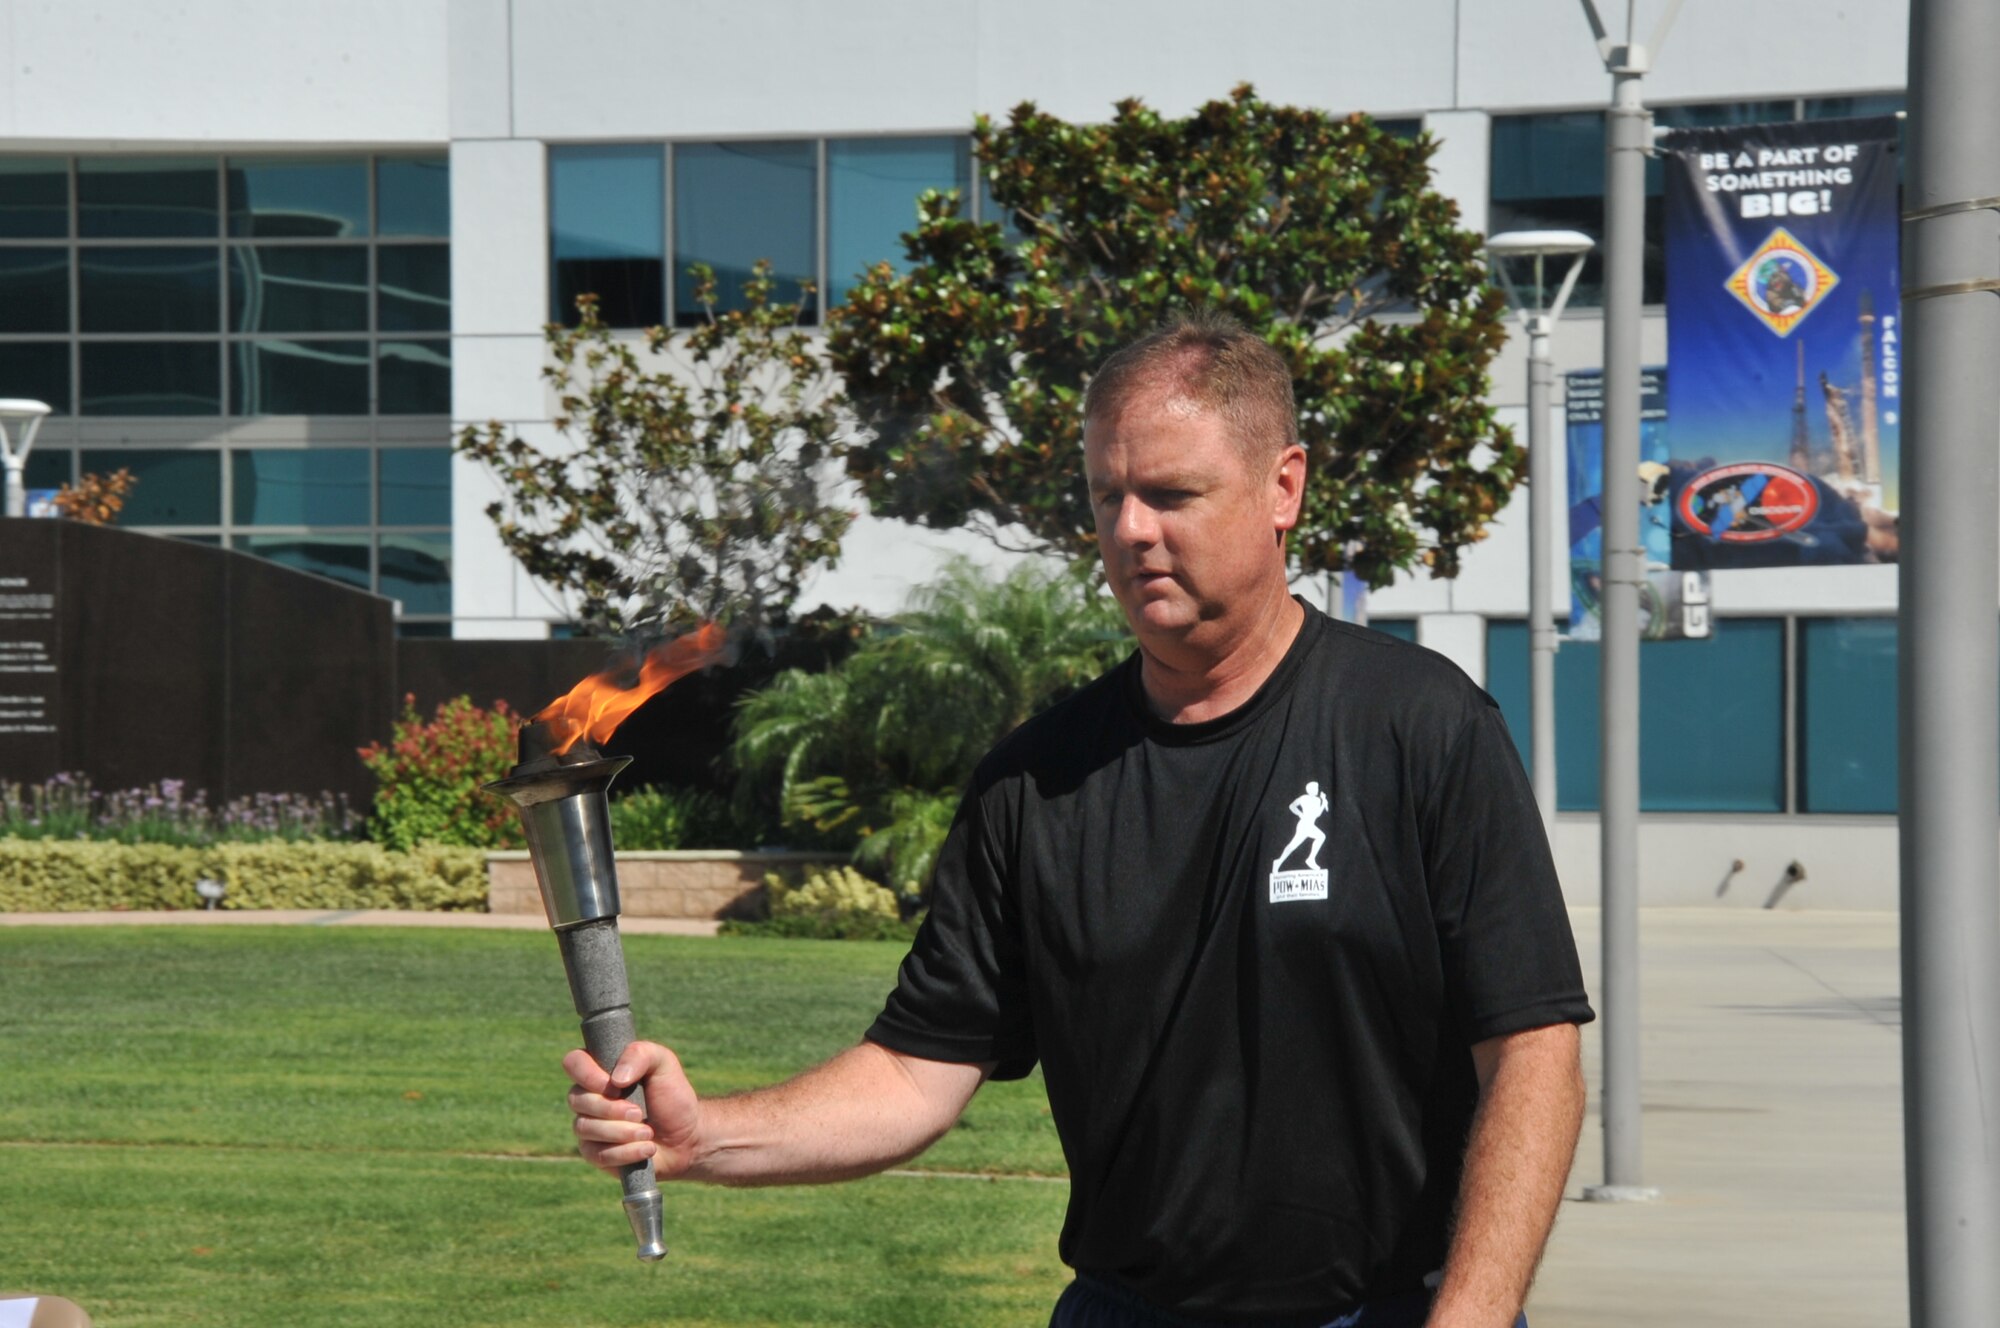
(64, 876)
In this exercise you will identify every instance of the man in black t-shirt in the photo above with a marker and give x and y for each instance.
(1270, 903)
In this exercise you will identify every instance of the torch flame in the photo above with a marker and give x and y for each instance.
(600, 703)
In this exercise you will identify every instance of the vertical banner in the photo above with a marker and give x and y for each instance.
(1672, 605)
(1783, 329)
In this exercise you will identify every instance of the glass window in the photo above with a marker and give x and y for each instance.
(414, 378)
(872, 186)
(150, 290)
(299, 378)
(152, 378)
(735, 203)
(1401, 128)
(298, 288)
(1403, 629)
(416, 486)
(336, 557)
(37, 370)
(34, 197)
(1847, 714)
(178, 488)
(416, 569)
(415, 287)
(1711, 716)
(607, 231)
(1844, 108)
(319, 486)
(147, 196)
(413, 196)
(34, 290)
(298, 197)
(49, 468)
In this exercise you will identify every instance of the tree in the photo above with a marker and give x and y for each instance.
(692, 491)
(1321, 233)
(97, 499)
(876, 751)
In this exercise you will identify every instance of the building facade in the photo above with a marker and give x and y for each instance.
(267, 257)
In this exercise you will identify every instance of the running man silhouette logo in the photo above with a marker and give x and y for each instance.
(1308, 882)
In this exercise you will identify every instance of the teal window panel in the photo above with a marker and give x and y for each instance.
(318, 486)
(872, 189)
(34, 198)
(151, 378)
(1711, 717)
(298, 197)
(607, 232)
(736, 203)
(299, 378)
(1847, 715)
(175, 488)
(147, 197)
(413, 287)
(413, 196)
(37, 370)
(416, 486)
(416, 569)
(34, 289)
(298, 288)
(414, 378)
(158, 288)
(342, 558)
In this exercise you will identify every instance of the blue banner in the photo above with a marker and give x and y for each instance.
(1784, 333)
(1672, 605)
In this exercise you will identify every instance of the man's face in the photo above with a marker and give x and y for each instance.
(1189, 531)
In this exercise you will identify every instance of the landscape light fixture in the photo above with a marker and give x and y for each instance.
(24, 416)
(1532, 250)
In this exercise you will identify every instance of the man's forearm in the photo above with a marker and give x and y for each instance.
(862, 1111)
(1516, 1164)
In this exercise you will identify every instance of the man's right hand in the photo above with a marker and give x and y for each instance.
(612, 1133)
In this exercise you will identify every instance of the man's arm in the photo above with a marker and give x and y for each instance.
(866, 1109)
(1516, 1164)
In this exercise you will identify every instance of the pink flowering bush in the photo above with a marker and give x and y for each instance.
(429, 775)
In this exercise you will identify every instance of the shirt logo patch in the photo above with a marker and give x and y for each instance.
(1307, 881)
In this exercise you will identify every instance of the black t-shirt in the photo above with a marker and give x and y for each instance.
(1251, 955)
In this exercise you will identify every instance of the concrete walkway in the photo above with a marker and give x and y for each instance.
(1773, 1120)
(1771, 1059)
(339, 917)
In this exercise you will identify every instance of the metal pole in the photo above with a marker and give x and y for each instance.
(1949, 584)
(17, 488)
(1628, 139)
(1541, 569)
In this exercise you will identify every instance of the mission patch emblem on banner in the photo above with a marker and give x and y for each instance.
(1781, 282)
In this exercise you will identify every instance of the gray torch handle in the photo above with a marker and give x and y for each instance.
(595, 963)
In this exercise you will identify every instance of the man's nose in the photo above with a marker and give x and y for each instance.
(1137, 525)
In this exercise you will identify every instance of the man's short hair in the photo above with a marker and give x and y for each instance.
(1214, 362)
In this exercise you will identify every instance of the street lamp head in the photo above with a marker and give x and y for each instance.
(28, 414)
(1535, 248)
(22, 409)
(1539, 244)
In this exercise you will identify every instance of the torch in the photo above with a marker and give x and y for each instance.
(559, 788)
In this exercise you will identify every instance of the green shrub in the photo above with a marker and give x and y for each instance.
(54, 876)
(666, 817)
(430, 775)
(830, 903)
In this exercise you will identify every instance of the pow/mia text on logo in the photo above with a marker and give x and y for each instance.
(1308, 882)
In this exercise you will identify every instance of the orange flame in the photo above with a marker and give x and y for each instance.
(595, 707)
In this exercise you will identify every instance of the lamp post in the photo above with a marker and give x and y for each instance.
(1538, 320)
(27, 416)
(1628, 139)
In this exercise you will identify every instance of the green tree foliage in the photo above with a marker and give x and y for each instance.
(429, 776)
(691, 489)
(968, 371)
(875, 752)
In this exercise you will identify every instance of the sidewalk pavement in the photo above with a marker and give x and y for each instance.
(1771, 1053)
(1771, 1058)
(343, 917)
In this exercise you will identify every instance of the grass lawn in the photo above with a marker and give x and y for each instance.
(277, 1126)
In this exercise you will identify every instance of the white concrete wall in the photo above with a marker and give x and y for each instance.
(1687, 860)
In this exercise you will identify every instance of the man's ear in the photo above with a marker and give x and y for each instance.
(1288, 487)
